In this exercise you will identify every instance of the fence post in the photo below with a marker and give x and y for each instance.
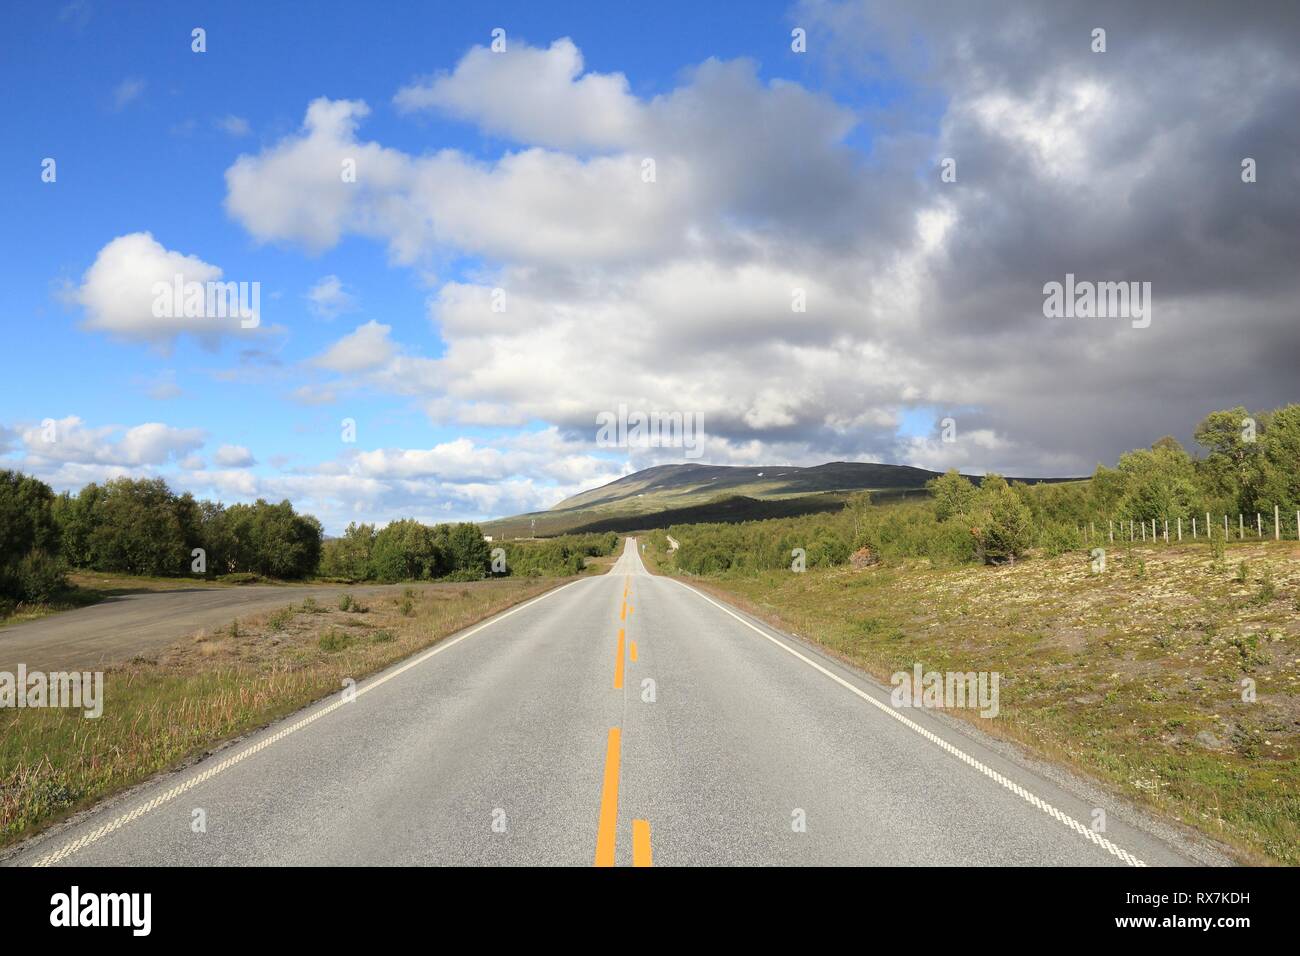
(1166, 531)
(1180, 529)
(1277, 528)
(1241, 527)
(1259, 525)
(1112, 530)
(1193, 529)
(1144, 532)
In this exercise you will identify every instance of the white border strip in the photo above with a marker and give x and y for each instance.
(95, 835)
(934, 738)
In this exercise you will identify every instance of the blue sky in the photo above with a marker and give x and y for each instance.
(157, 163)
(777, 171)
(143, 128)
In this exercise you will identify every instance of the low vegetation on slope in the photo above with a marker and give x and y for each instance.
(683, 494)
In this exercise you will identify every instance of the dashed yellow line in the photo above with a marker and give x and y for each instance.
(607, 828)
(607, 825)
(641, 855)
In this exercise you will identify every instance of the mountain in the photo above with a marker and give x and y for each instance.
(676, 494)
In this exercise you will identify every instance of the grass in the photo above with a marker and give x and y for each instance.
(165, 710)
(1139, 677)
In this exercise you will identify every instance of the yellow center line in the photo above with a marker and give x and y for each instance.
(618, 663)
(641, 855)
(632, 650)
(607, 828)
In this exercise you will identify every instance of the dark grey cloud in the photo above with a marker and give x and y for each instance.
(1123, 165)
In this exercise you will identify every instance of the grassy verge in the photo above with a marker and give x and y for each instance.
(164, 710)
(1132, 676)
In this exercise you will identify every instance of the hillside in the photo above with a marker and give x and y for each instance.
(677, 494)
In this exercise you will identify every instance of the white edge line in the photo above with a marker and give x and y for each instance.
(934, 738)
(116, 824)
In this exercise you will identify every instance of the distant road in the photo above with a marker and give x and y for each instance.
(122, 627)
(619, 719)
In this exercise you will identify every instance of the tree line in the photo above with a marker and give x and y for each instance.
(1250, 464)
(410, 551)
(140, 526)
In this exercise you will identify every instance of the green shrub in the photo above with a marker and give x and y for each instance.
(349, 557)
(953, 494)
(464, 575)
(29, 539)
(1267, 589)
(334, 640)
(950, 543)
(1002, 523)
(1218, 550)
(39, 577)
(1059, 539)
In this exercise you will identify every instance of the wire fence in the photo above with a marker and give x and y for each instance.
(1206, 527)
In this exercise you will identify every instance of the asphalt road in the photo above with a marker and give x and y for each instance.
(524, 740)
(115, 630)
